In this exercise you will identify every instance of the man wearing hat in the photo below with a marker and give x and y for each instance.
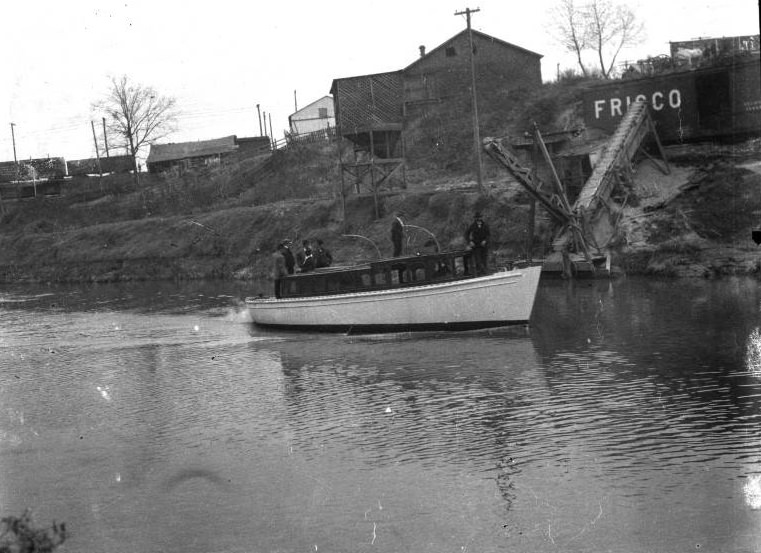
(279, 267)
(290, 260)
(477, 237)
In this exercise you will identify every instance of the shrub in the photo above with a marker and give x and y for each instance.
(19, 535)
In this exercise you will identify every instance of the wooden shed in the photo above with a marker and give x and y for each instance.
(192, 155)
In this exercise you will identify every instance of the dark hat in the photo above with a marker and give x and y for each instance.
(477, 215)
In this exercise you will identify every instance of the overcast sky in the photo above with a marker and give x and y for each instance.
(221, 58)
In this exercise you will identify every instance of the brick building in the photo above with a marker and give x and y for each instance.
(443, 74)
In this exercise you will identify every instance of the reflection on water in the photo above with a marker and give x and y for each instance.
(753, 355)
(154, 417)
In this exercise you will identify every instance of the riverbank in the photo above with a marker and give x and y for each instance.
(694, 222)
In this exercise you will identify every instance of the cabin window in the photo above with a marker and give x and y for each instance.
(419, 273)
(450, 52)
(442, 269)
(459, 266)
(366, 279)
(395, 277)
(322, 113)
(380, 278)
(347, 282)
(292, 287)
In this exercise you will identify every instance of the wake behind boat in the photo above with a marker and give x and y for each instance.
(422, 292)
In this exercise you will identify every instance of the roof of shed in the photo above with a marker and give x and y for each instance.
(184, 150)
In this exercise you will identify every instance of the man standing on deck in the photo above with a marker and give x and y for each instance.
(279, 266)
(290, 260)
(477, 237)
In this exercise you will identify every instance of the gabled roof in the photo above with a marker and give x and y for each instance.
(184, 150)
(475, 34)
(318, 101)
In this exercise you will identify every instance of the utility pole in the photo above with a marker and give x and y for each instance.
(295, 103)
(260, 119)
(97, 154)
(476, 133)
(13, 137)
(105, 136)
(272, 136)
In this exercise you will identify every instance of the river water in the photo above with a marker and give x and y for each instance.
(154, 417)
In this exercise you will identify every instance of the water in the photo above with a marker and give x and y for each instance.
(156, 418)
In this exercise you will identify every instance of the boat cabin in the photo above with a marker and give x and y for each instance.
(398, 272)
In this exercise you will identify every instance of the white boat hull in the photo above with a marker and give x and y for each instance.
(498, 299)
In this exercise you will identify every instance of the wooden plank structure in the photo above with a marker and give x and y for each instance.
(582, 223)
(369, 114)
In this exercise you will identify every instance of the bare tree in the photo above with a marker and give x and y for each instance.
(137, 116)
(572, 34)
(603, 26)
(612, 26)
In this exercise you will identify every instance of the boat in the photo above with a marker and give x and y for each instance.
(433, 291)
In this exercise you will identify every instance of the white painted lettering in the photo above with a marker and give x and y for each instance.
(657, 101)
(615, 107)
(599, 106)
(641, 97)
(675, 98)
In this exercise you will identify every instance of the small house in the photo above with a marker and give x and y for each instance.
(315, 117)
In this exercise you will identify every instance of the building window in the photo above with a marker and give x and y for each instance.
(451, 52)
(322, 113)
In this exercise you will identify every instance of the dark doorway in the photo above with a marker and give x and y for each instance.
(714, 106)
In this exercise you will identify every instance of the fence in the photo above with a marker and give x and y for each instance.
(323, 135)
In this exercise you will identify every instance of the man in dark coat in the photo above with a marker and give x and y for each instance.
(477, 237)
(397, 233)
(323, 257)
(279, 266)
(290, 260)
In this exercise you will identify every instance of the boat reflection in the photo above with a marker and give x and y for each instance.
(753, 353)
(752, 492)
(409, 397)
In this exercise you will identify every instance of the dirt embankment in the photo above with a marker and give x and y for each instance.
(695, 222)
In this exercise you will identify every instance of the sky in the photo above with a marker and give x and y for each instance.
(220, 59)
